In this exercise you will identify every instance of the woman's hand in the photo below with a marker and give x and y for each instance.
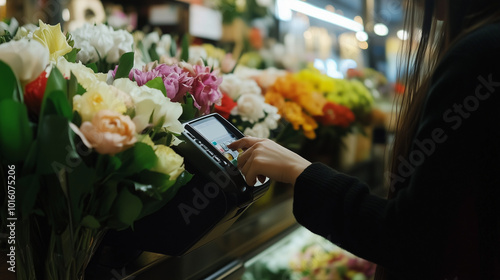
(265, 158)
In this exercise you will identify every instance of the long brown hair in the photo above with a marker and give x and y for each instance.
(428, 40)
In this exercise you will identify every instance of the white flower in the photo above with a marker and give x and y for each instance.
(272, 117)
(163, 47)
(250, 87)
(85, 76)
(11, 28)
(258, 130)
(230, 85)
(151, 101)
(250, 107)
(150, 39)
(122, 43)
(26, 58)
(101, 41)
(195, 53)
(235, 86)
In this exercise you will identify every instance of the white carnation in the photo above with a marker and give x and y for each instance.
(101, 41)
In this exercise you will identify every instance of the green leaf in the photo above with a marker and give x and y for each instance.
(90, 222)
(185, 48)
(173, 49)
(71, 56)
(56, 103)
(55, 81)
(157, 83)
(139, 157)
(107, 195)
(77, 119)
(145, 53)
(80, 183)
(56, 150)
(188, 109)
(93, 66)
(10, 89)
(27, 192)
(126, 209)
(167, 190)
(107, 165)
(153, 54)
(125, 64)
(16, 134)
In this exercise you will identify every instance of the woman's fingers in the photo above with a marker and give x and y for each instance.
(265, 158)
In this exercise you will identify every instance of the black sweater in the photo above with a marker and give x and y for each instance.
(443, 222)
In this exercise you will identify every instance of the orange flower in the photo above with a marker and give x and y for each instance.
(297, 102)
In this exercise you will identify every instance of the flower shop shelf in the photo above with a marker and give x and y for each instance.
(267, 221)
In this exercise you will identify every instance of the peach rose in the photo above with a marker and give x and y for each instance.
(109, 132)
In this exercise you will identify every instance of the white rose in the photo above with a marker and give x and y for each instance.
(258, 130)
(250, 107)
(151, 101)
(26, 58)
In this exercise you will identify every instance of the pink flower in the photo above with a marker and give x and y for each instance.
(177, 82)
(206, 88)
(109, 132)
(142, 77)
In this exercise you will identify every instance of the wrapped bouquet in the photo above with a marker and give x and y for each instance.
(85, 141)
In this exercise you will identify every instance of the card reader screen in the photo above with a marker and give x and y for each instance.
(218, 136)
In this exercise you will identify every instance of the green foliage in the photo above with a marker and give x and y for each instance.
(189, 111)
(125, 64)
(14, 123)
(10, 89)
(185, 47)
(157, 83)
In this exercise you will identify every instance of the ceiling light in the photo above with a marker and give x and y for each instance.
(402, 35)
(361, 36)
(284, 8)
(380, 29)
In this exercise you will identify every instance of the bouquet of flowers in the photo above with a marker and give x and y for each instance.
(83, 151)
(317, 262)
(244, 106)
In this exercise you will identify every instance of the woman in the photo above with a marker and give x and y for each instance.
(442, 218)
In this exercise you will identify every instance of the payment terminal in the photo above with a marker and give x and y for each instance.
(208, 205)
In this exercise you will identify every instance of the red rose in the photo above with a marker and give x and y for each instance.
(338, 115)
(33, 93)
(226, 105)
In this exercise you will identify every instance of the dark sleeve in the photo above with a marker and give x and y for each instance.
(453, 161)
